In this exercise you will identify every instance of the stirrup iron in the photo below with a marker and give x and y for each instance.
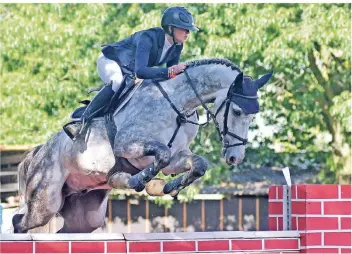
(72, 129)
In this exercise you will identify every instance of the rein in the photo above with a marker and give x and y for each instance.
(182, 118)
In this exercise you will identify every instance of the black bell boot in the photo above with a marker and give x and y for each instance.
(96, 106)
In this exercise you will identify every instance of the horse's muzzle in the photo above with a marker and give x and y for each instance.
(232, 161)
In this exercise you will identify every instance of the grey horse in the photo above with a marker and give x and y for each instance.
(74, 178)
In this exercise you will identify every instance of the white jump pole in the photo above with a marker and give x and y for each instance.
(287, 200)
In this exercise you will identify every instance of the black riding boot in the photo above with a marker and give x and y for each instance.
(97, 105)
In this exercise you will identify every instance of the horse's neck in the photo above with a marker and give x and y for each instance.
(207, 80)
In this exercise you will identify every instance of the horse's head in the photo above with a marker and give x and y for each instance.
(235, 109)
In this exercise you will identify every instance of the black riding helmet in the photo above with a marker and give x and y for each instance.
(177, 16)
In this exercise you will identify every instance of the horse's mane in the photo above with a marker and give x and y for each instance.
(222, 61)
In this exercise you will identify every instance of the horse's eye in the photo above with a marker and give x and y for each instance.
(237, 112)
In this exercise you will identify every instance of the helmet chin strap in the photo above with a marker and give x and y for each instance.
(171, 30)
(171, 33)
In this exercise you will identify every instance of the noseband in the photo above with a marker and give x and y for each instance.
(226, 131)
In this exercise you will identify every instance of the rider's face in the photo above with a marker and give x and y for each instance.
(181, 35)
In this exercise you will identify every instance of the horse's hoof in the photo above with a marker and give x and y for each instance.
(139, 187)
(168, 188)
(119, 180)
(174, 193)
(16, 219)
(135, 184)
(172, 185)
(155, 187)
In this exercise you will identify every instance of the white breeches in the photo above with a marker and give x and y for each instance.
(108, 71)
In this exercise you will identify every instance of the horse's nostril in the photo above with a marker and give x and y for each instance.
(232, 159)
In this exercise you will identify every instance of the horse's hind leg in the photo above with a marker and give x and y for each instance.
(84, 213)
(139, 149)
(43, 196)
(185, 161)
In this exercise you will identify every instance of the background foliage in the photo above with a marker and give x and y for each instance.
(48, 54)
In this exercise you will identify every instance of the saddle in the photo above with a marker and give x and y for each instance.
(128, 86)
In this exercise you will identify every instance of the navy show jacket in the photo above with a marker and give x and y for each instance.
(140, 52)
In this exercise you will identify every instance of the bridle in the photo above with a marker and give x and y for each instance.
(182, 118)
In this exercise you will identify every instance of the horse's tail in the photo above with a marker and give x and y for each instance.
(22, 172)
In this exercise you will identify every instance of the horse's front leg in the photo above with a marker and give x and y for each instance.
(195, 166)
(140, 149)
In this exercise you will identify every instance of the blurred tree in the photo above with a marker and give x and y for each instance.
(48, 54)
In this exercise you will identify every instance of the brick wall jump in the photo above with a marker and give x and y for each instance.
(197, 242)
(321, 213)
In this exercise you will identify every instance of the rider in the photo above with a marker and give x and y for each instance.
(137, 55)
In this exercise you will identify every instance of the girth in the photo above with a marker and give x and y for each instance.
(122, 165)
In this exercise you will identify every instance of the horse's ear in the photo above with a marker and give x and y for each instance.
(263, 80)
(239, 80)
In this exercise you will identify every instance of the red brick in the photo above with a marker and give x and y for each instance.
(298, 207)
(337, 207)
(52, 247)
(87, 247)
(301, 223)
(293, 191)
(345, 191)
(279, 244)
(310, 239)
(321, 250)
(246, 244)
(301, 191)
(302, 207)
(273, 223)
(16, 247)
(116, 247)
(346, 250)
(213, 245)
(279, 192)
(294, 223)
(337, 238)
(280, 225)
(322, 191)
(144, 246)
(175, 246)
(312, 223)
(313, 208)
(275, 208)
(272, 192)
(345, 223)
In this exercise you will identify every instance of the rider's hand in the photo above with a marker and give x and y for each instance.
(179, 68)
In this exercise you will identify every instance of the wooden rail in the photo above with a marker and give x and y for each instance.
(11, 156)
